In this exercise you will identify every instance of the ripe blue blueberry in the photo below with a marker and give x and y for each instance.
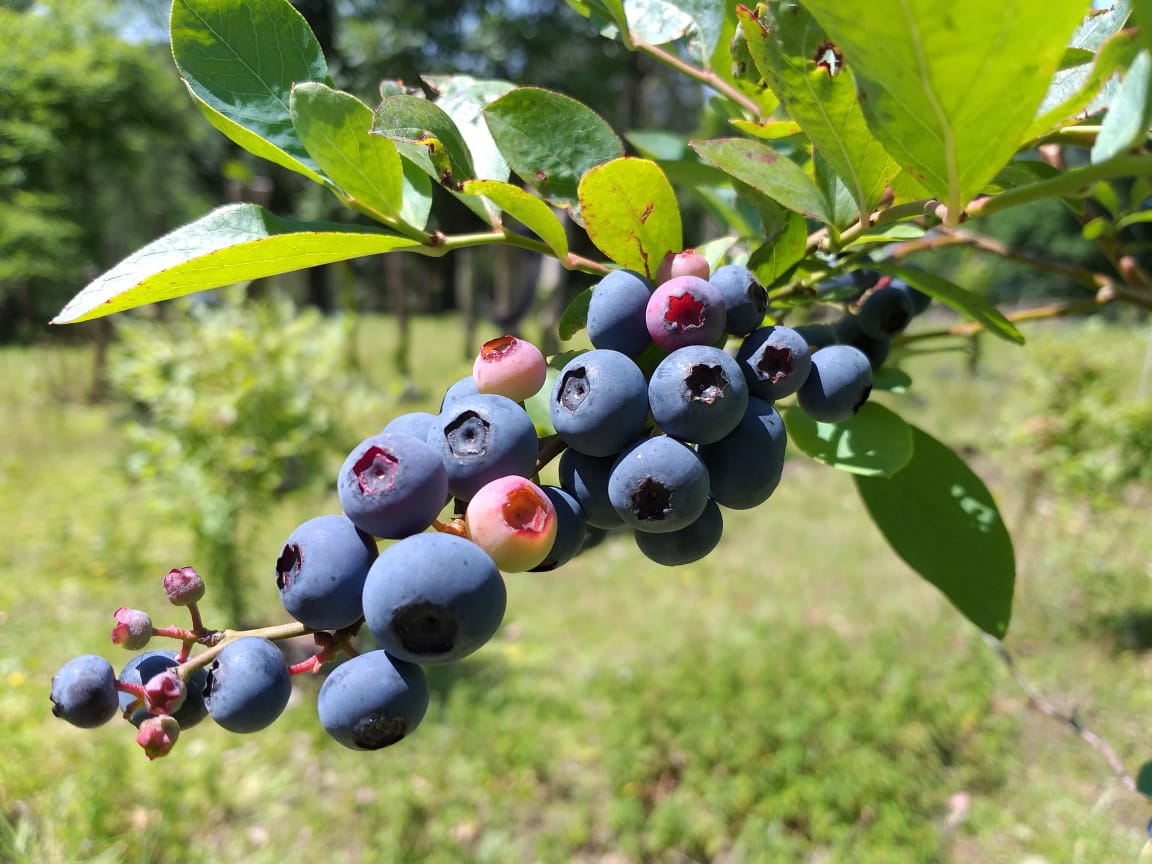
(885, 312)
(372, 701)
(745, 300)
(658, 485)
(433, 598)
(414, 423)
(466, 386)
(744, 467)
(848, 332)
(616, 313)
(839, 383)
(248, 685)
(321, 572)
(599, 402)
(585, 478)
(392, 485)
(918, 299)
(685, 545)
(775, 361)
(143, 667)
(84, 692)
(482, 438)
(698, 393)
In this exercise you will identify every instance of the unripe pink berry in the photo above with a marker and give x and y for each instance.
(686, 263)
(513, 521)
(157, 735)
(133, 628)
(184, 586)
(509, 367)
(685, 310)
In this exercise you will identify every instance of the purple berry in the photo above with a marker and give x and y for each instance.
(392, 485)
(685, 310)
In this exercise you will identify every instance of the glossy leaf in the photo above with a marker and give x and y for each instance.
(631, 213)
(427, 136)
(232, 244)
(875, 442)
(240, 59)
(334, 127)
(575, 316)
(525, 207)
(819, 93)
(550, 140)
(766, 171)
(972, 305)
(416, 204)
(1126, 123)
(776, 258)
(950, 92)
(942, 520)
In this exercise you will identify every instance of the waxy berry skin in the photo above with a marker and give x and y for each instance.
(683, 311)
(775, 361)
(433, 598)
(248, 685)
(321, 570)
(141, 668)
(372, 700)
(392, 485)
(745, 300)
(481, 438)
(684, 545)
(510, 367)
(599, 403)
(745, 466)
(698, 393)
(616, 313)
(658, 485)
(839, 383)
(84, 692)
(571, 529)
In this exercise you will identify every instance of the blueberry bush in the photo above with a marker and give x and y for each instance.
(855, 135)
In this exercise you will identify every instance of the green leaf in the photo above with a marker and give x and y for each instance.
(538, 408)
(941, 519)
(837, 195)
(893, 233)
(950, 92)
(891, 378)
(776, 258)
(575, 316)
(416, 203)
(631, 213)
(550, 140)
(425, 135)
(232, 244)
(965, 302)
(334, 127)
(819, 94)
(1130, 114)
(660, 21)
(240, 59)
(533, 213)
(876, 442)
(766, 171)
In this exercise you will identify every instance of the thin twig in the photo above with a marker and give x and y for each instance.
(704, 76)
(1045, 706)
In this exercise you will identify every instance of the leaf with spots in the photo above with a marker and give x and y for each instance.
(236, 243)
(767, 171)
(950, 89)
(807, 72)
(550, 141)
(631, 213)
(941, 519)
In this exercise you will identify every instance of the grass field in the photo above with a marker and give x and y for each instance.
(800, 696)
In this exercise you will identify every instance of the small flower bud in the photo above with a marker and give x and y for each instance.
(165, 692)
(133, 628)
(157, 735)
(183, 586)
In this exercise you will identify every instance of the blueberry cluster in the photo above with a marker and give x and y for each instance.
(657, 428)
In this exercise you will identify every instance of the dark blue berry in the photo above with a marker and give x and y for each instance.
(918, 299)
(745, 300)
(839, 383)
(414, 423)
(433, 598)
(687, 544)
(84, 692)
(599, 402)
(392, 485)
(466, 386)
(482, 438)
(141, 668)
(372, 701)
(321, 572)
(848, 332)
(744, 467)
(885, 312)
(658, 485)
(698, 393)
(616, 313)
(248, 685)
(586, 479)
(775, 361)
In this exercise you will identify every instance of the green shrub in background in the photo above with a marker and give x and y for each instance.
(234, 403)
